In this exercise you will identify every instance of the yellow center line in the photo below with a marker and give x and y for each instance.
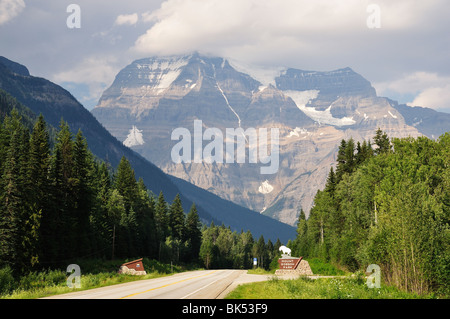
(173, 283)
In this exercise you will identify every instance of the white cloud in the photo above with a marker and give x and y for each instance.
(435, 97)
(96, 72)
(428, 89)
(127, 19)
(9, 9)
(260, 29)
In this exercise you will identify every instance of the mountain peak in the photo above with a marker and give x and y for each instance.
(336, 83)
(14, 66)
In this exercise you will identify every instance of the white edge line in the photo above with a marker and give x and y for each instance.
(201, 288)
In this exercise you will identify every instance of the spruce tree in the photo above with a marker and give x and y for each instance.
(39, 164)
(125, 183)
(145, 214)
(341, 160)
(161, 219)
(193, 233)
(176, 219)
(83, 192)
(382, 141)
(11, 203)
(330, 185)
(67, 218)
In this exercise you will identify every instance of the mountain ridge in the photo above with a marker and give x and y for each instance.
(312, 110)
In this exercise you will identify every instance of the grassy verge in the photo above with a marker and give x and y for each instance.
(346, 285)
(325, 288)
(320, 267)
(94, 274)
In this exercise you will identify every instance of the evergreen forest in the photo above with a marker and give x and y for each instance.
(388, 204)
(59, 204)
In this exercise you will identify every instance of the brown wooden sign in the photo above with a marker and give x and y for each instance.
(289, 263)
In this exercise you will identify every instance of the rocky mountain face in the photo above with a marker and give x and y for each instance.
(39, 95)
(312, 111)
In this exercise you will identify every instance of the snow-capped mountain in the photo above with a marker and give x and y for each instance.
(313, 111)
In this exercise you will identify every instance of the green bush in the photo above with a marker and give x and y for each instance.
(319, 267)
(42, 279)
(6, 280)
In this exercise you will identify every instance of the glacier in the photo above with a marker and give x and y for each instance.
(134, 138)
(265, 187)
(302, 98)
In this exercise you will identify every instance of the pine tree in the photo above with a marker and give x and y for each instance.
(382, 141)
(145, 214)
(19, 223)
(67, 219)
(39, 164)
(161, 219)
(83, 191)
(51, 223)
(363, 152)
(101, 231)
(350, 156)
(177, 219)
(259, 251)
(116, 212)
(11, 203)
(125, 183)
(341, 160)
(193, 233)
(330, 185)
(300, 242)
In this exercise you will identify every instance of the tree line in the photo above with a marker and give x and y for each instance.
(59, 203)
(387, 205)
(223, 248)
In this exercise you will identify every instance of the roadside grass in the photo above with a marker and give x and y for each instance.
(322, 288)
(320, 267)
(260, 271)
(345, 285)
(94, 274)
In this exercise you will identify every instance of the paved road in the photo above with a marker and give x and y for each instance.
(201, 284)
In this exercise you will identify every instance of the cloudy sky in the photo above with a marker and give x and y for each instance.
(402, 47)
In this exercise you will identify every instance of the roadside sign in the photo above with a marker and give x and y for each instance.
(255, 261)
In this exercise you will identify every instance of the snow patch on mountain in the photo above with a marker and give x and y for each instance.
(226, 100)
(297, 131)
(302, 98)
(417, 122)
(162, 72)
(265, 187)
(394, 116)
(134, 138)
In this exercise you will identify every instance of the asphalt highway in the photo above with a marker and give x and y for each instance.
(200, 284)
